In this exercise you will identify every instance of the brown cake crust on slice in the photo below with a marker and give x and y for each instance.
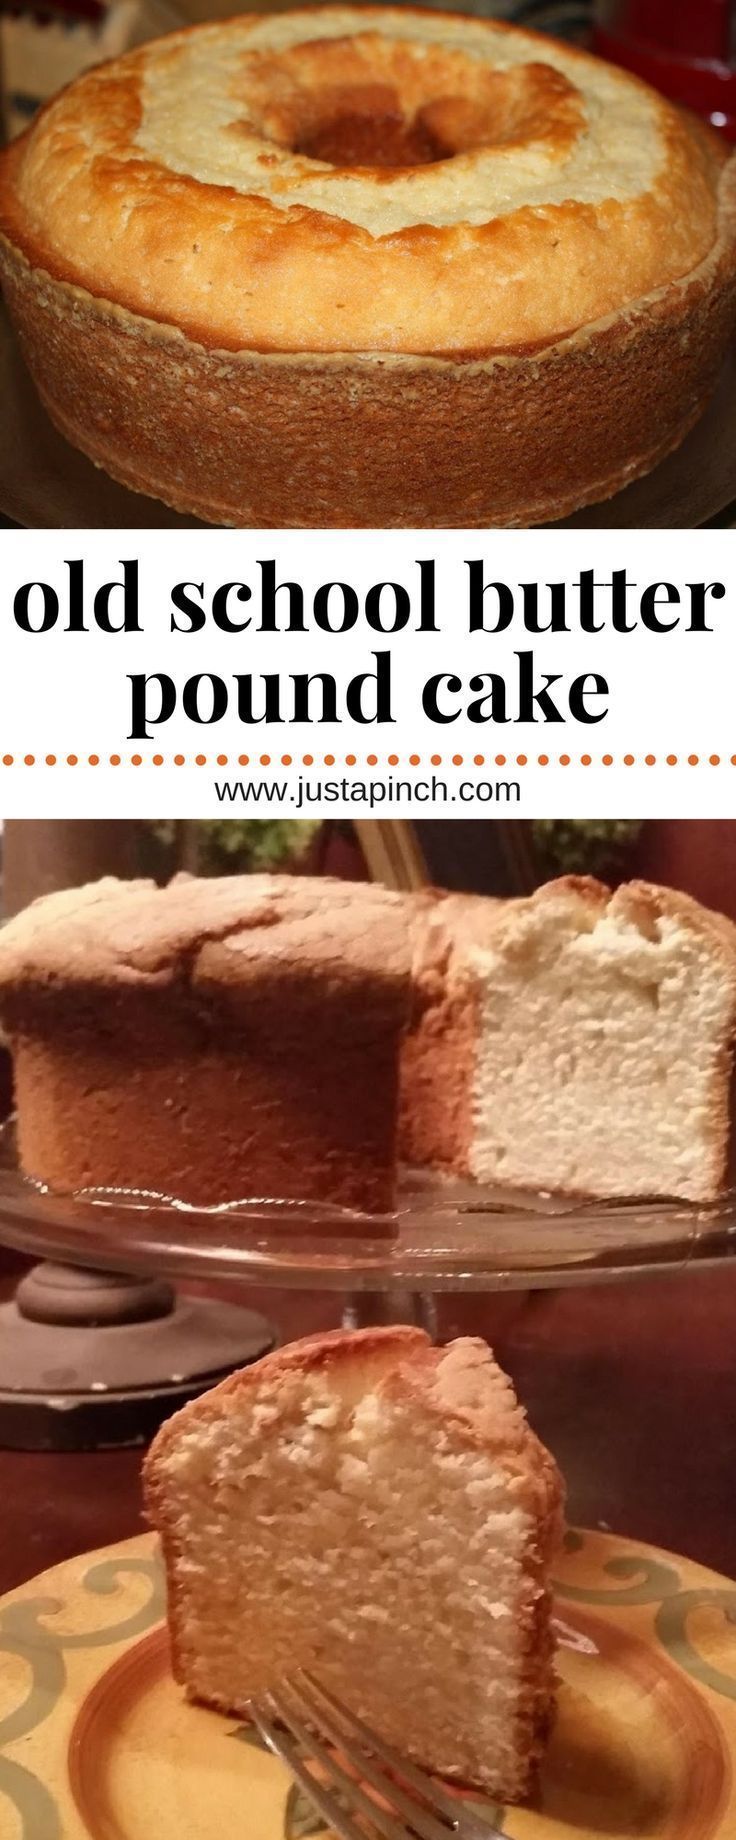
(354, 1420)
(213, 1040)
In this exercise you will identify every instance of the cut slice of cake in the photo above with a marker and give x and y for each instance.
(378, 1511)
(578, 1041)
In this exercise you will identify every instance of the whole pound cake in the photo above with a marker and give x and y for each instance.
(213, 1040)
(376, 266)
(577, 1040)
(377, 1511)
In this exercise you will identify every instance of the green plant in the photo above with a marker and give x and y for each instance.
(255, 843)
(584, 846)
(226, 846)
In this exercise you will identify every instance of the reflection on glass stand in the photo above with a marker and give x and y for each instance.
(444, 1236)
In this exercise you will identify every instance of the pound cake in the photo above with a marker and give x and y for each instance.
(369, 266)
(377, 1511)
(213, 1040)
(284, 1037)
(577, 1040)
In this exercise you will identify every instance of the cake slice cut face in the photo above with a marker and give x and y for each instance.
(377, 1511)
(578, 1041)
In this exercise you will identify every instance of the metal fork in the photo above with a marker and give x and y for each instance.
(303, 1725)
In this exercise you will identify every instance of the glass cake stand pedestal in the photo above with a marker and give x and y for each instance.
(97, 1348)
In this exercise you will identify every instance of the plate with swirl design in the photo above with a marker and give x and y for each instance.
(97, 1742)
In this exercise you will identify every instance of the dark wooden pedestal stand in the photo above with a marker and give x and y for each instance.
(95, 1360)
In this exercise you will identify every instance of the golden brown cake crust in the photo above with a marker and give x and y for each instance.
(248, 439)
(562, 189)
(643, 902)
(452, 1384)
(310, 1354)
(481, 373)
(240, 933)
(212, 1041)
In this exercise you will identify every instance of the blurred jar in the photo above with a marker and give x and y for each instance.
(685, 48)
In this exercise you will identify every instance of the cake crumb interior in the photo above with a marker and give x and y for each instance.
(590, 1015)
(309, 1522)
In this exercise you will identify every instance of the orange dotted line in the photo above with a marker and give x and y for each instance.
(371, 760)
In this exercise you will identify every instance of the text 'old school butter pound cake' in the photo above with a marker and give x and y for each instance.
(214, 1040)
(577, 1040)
(377, 1511)
(375, 266)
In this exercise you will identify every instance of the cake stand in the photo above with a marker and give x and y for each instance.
(96, 1359)
(91, 1354)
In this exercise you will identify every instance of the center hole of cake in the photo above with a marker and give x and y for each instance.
(365, 125)
(370, 102)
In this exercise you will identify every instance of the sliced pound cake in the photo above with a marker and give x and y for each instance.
(578, 1041)
(376, 1510)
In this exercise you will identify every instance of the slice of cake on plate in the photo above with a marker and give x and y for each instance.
(375, 1510)
(578, 1041)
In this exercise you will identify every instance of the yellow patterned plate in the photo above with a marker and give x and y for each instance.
(96, 1741)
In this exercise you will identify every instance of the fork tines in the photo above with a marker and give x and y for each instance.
(338, 1761)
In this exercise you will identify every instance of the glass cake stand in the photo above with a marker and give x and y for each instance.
(443, 1236)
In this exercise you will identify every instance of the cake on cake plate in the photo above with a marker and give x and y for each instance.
(377, 1511)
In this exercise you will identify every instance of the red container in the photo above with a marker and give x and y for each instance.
(685, 48)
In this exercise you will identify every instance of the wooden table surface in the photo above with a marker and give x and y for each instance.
(633, 1387)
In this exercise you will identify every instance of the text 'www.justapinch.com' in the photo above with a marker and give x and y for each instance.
(299, 791)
